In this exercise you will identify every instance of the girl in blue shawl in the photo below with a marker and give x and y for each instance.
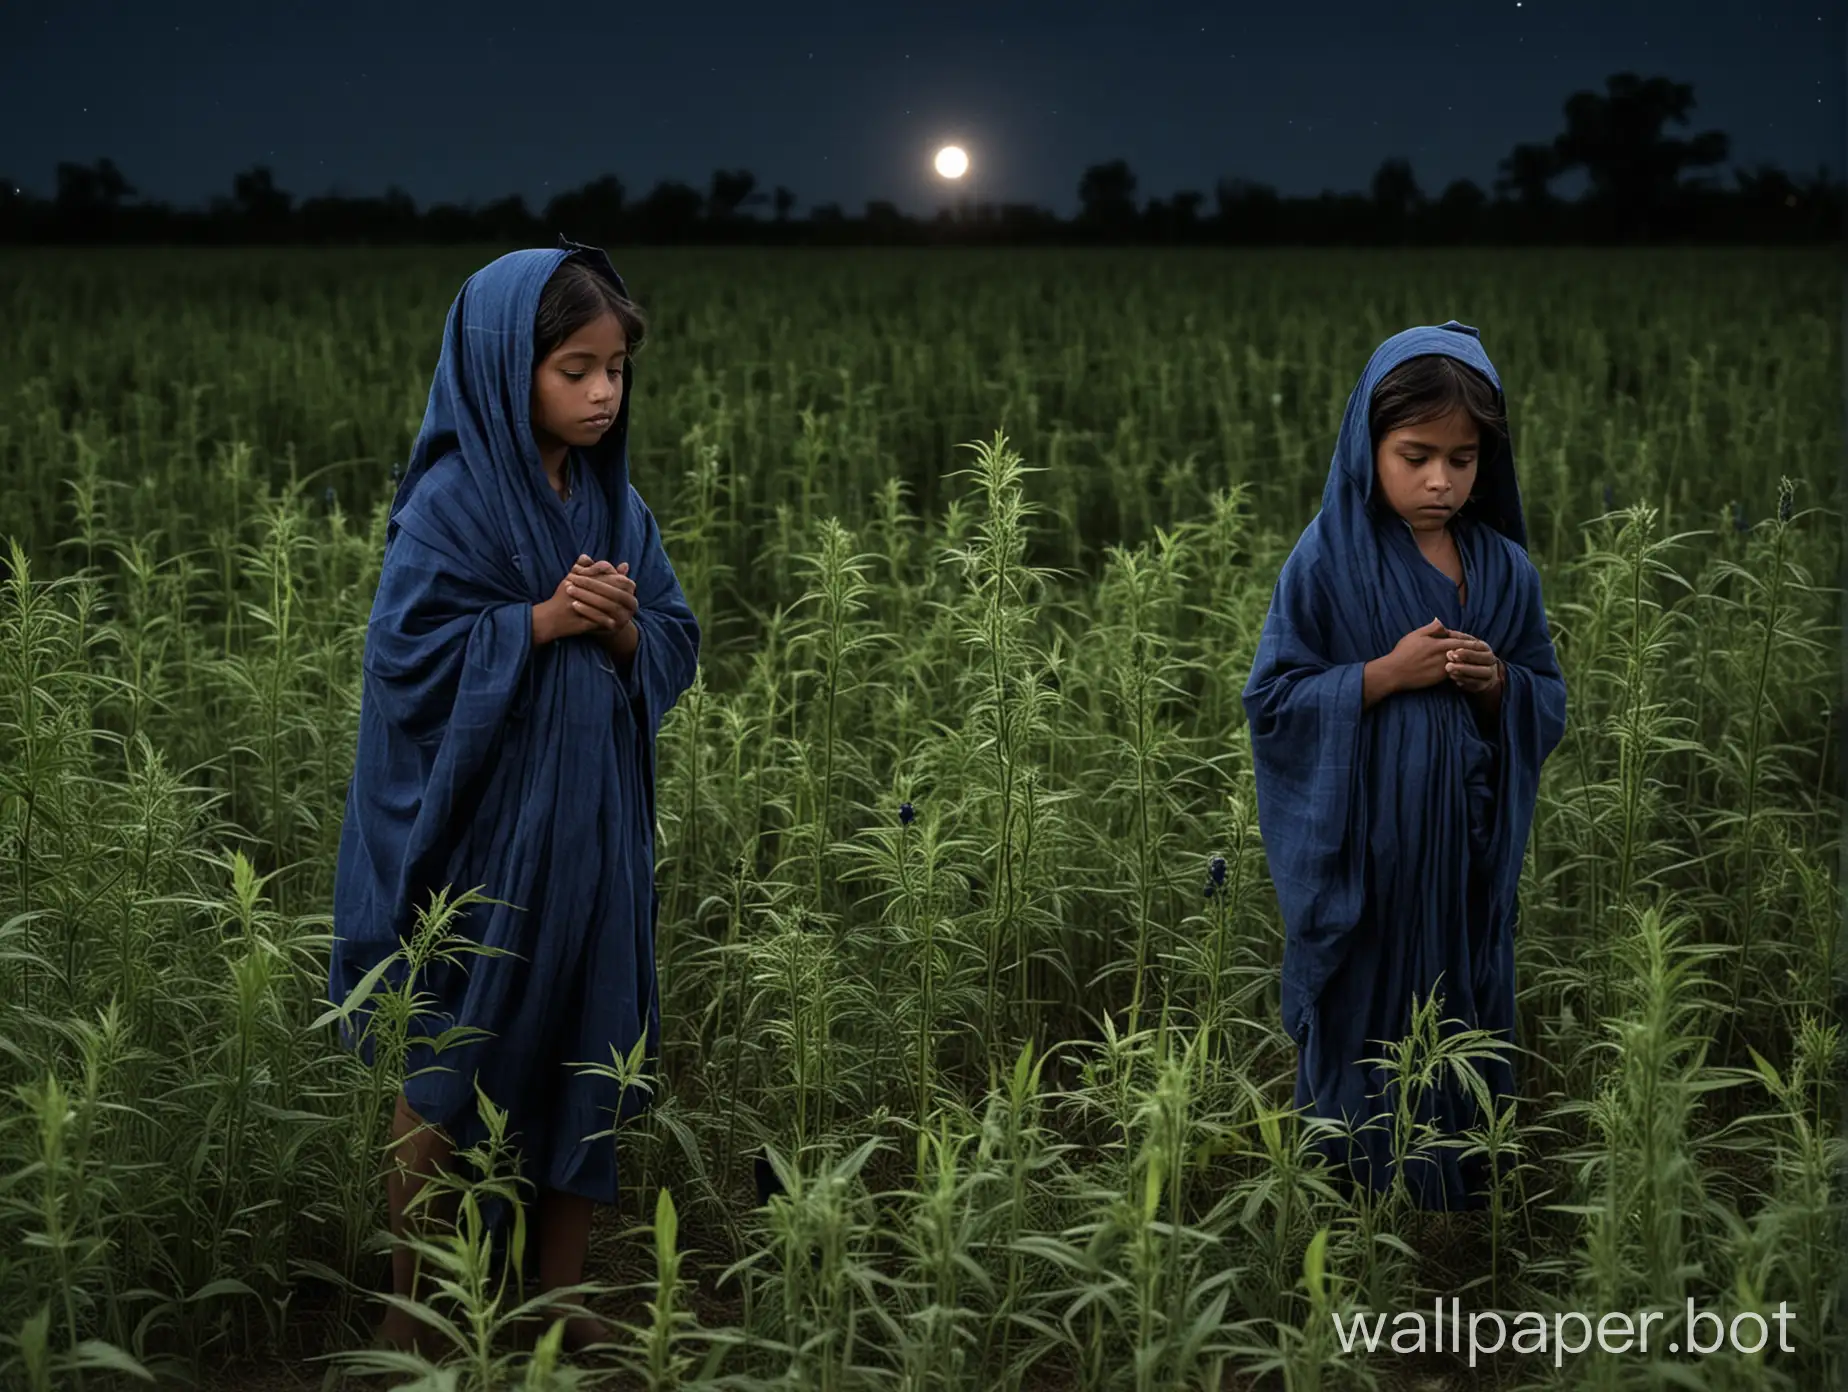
(527, 639)
(1404, 696)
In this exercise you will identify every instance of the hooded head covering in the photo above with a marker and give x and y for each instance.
(1496, 497)
(1395, 833)
(1370, 548)
(479, 421)
(525, 772)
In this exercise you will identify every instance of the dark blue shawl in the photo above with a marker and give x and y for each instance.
(1395, 836)
(484, 762)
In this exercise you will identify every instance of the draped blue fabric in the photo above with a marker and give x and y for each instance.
(525, 772)
(1395, 836)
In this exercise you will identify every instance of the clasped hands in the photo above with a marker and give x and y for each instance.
(595, 598)
(1426, 656)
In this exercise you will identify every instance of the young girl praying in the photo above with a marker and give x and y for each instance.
(1404, 696)
(527, 639)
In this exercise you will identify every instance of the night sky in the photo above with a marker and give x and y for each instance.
(845, 102)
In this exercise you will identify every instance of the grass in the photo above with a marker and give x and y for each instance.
(991, 536)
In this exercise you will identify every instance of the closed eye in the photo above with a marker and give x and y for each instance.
(615, 371)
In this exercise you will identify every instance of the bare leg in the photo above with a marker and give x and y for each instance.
(564, 1241)
(419, 1152)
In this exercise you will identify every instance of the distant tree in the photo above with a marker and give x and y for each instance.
(731, 189)
(261, 207)
(15, 211)
(884, 222)
(1246, 211)
(1176, 218)
(1457, 214)
(1396, 196)
(100, 185)
(596, 209)
(1395, 189)
(1768, 201)
(89, 198)
(1462, 197)
(670, 212)
(1527, 174)
(1107, 197)
(397, 216)
(1026, 222)
(1636, 172)
(508, 220)
(1186, 208)
(90, 188)
(1766, 187)
(1645, 184)
(450, 224)
(1822, 201)
(1232, 193)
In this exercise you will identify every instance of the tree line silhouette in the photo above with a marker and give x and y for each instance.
(1642, 184)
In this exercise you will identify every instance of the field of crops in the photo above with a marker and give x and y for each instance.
(1024, 1077)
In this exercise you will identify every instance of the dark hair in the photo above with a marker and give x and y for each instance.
(577, 295)
(1430, 387)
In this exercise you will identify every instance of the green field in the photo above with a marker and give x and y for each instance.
(1027, 1080)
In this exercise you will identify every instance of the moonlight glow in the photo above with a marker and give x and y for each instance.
(952, 162)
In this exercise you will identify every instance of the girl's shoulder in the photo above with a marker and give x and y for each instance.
(1311, 559)
(444, 501)
(1504, 555)
(1309, 576)
(1507, 546)
(640, 514)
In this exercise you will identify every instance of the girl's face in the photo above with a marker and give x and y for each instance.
(1426, 471)
(577, 390)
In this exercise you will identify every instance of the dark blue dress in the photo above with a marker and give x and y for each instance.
(1395, 836)
(525, 772)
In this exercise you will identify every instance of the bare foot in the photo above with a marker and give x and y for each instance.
(581, 1331)
(403, 1331)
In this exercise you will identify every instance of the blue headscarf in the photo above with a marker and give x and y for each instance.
(526, 772)
(1395, 835)
(479, 420)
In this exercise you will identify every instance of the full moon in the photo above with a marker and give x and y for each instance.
(952, 163)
